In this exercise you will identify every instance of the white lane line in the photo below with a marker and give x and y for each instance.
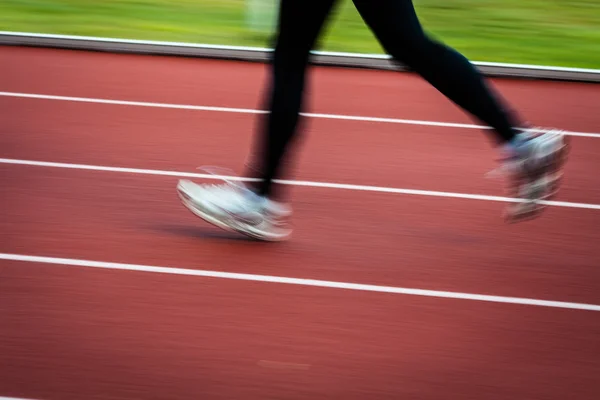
(325, 185)
(130, 103)
(252, 111)
(13, 398)
(298, 281)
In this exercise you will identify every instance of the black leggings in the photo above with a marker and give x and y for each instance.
(396, 26)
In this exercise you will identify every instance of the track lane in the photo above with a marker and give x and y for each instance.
(570, 106)
(425, 158)
(71, 334)
(427, 243)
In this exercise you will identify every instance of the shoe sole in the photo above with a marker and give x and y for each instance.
(189, 204)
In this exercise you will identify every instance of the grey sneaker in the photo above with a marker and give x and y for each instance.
(535, 171)
(234, 207)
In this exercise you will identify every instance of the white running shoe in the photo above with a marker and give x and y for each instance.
(234, 207)
(535, 169)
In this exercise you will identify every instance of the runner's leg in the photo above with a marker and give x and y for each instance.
(397, 27)
(300, 24)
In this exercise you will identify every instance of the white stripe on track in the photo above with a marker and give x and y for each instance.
(326, 185)
(252, 111)
(13, 398)
(298, 281)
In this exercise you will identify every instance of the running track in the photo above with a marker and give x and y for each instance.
(87, 314)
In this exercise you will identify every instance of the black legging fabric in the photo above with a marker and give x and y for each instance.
(397, 27)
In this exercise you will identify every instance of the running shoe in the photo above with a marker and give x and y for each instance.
(233, 207)
(534, 167)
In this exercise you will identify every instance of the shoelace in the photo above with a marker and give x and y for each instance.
(238, 196)
(513, 163)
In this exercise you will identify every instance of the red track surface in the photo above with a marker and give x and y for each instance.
(76, 333)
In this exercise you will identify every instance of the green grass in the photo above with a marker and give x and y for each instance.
(550, 32)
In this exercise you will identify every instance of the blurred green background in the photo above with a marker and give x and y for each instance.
(549, 32)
